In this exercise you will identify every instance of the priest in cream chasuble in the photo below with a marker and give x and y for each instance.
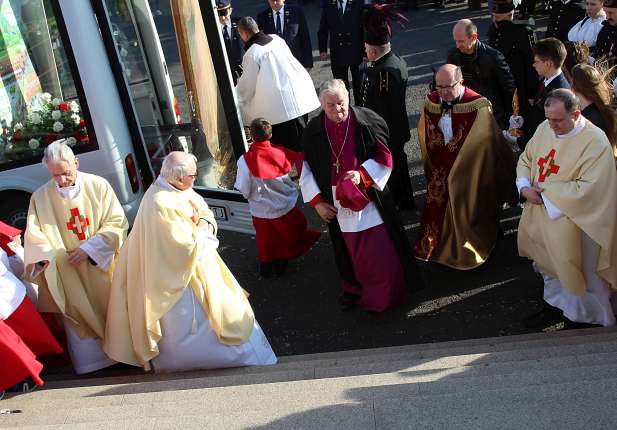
(174, 304)
(469, 171)
(568, 225)
(75, 228)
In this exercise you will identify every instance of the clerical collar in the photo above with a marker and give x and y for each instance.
(457, 99)
(549, 80)
(164, 183)
(72, 191)
(578, 127)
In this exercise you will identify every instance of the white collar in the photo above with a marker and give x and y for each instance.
(549, 80)
(281, 10)
(578, 127)
(72, 191)
(164, 183)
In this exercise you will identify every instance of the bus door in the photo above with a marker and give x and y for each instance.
(172, 62)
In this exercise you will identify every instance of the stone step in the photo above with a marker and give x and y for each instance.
(333, 364)
(331, 403)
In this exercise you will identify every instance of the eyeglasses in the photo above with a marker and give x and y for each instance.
(223, 12)
(447, 87)
(193, 176)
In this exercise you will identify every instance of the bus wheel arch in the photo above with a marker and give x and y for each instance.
(14, 207)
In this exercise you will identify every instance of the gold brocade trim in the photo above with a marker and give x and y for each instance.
(434, 137)
(456, 138)
(437, 187)
(459, 107)
(428, 243)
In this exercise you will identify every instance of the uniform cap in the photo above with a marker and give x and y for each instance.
(223, 4)
(503, 6)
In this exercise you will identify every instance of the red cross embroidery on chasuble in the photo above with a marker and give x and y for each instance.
(78, 224)
(549, 163)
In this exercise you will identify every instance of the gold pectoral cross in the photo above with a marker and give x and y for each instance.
(337, 166)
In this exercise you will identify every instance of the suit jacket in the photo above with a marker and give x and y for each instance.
(606, 43)
(487, 73)
(515, 41)
(235, 50)
(295, 32)
(536, 112)
(344, 34)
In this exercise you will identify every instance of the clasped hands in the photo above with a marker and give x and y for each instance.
(533, 194)
(326, 211)
(516, 122)
(200, 222)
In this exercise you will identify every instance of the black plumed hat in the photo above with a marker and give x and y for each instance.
(377, 19)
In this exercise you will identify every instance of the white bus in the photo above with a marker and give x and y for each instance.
(126, 81)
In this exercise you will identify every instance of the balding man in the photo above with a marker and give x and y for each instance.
(174, 304)
(76, 226)
(469, 171)
(484, 70)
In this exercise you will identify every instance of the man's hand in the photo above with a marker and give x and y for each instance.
(323, 56)
(511, 139)
(516, 121)
(195, 216)
(205, 224)
(77, 256)
(16, 242)
(532, 194)
(354, 176)
(325, 211)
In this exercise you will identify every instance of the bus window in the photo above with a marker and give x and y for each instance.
(39, 101)
(167, 64)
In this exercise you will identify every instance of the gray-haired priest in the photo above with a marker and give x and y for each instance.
(76, 226)
(174, 304)
(346, 166)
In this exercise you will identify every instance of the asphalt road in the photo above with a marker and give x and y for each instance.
(299, 311)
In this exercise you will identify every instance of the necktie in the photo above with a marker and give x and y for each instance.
(447, 106)
(225, 34)
(341, 8)
(278, 23)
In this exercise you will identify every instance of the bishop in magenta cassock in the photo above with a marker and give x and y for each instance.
(346, 166)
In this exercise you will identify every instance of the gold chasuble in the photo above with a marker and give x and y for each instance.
(468, 180)
(164, 254)
(578, 176)
(59, 225)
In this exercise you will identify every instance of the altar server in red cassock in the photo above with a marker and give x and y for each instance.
(346, 167)
(263, 179)
(23, 333)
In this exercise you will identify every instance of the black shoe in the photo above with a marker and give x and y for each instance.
(347, 301)
(280, 267)
(546, 317)
(266, 270)
(573, 325)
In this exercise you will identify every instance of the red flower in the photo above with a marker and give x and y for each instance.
(82, 123)
(63, 106)
(50, 138)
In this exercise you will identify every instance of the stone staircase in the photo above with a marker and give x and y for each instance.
(560, 380)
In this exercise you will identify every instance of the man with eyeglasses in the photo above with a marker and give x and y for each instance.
(233, 43)
(469, 172)
(174, 304)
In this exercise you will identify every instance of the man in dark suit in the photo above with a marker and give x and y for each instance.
(289, 23)
(606, 44)
(549, 55)
(340, 28)
(233, 44)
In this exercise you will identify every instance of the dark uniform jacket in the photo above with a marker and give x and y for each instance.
(295, 31)
(235, 49)
(515, 41)
(344, 33)
(563, 17)
(536, 112)
(384, 84)
(606, 43)
(487, 73)
(370, 128)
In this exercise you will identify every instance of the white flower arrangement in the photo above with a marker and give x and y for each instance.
(58, 127)
(76, 118)
(56, 115)
(35, 118)
(18, 126)
(71, 141)
(74, 106)
(34, 143)
(56, 102)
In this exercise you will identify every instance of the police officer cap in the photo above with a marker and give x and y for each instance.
(610, 3)
(504, 6)
(223, 4)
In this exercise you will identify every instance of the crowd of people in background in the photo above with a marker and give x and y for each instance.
(516, 120)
